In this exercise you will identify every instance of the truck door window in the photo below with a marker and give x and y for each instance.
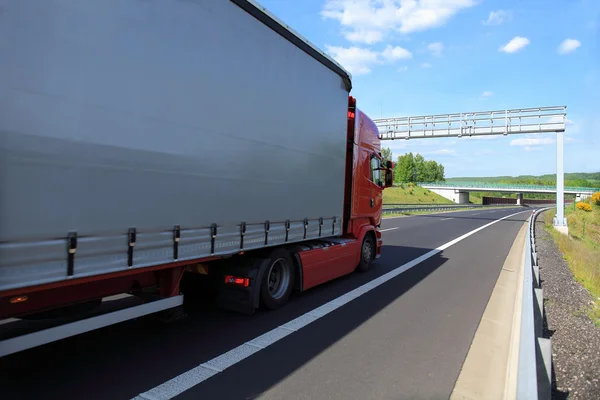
(375, 171)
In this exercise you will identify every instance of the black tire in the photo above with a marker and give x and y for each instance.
(367, 253)
(278, 280)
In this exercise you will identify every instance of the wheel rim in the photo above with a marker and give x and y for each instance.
(278, 279)
(367, 251)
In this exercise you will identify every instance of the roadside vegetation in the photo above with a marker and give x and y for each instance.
(581, 249)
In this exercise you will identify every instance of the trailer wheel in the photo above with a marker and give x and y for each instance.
(278, 280)
(367, 253)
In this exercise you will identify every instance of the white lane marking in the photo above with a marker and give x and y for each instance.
(202, 372)
(389, 229)
(446, 219)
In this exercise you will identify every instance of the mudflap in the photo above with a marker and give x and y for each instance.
(238, 298)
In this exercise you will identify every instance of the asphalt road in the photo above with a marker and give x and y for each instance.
(407, 338)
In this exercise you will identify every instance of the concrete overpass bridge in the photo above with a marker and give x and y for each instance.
(459, 191)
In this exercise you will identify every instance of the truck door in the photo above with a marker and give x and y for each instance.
(376, 186)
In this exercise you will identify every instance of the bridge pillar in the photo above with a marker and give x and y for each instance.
(461, 197)
(519, 199)
(457, 196)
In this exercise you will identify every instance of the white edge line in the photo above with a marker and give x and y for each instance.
(442, 212)
(189, 379)
(446, 219)
(390, 229)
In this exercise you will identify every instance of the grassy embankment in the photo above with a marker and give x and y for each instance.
(581, 249)
(410, 194)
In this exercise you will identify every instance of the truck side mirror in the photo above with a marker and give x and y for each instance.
(389, 178)
(389, 174)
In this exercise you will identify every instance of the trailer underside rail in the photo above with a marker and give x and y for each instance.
(40, 337)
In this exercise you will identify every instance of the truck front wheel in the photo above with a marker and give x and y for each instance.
(367, 253)
(278, 280)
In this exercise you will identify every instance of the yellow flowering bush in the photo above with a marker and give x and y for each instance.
(584, 206)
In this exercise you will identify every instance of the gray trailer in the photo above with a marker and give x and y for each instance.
(126, 123)
(140, 139)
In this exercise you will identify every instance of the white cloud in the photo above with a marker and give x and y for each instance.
(529, 148)
(486, 95)
(426, 65)
(531, 141)
(436, 48)
(568, 46)
(516, 44)
(369, 21)
(356, 60)
(359, 61)
(496, 18)
(393, 53)
(364, 36)
(403, 68)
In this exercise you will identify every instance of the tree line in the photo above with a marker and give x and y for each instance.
(414, 168)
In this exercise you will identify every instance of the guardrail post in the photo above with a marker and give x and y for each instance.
(544, 368)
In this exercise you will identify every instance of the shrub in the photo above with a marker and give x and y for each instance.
(584, 206)
(596, 198)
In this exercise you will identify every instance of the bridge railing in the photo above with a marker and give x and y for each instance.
(483, 186)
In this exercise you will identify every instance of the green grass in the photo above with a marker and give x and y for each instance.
(581, 250)
(476, 197)
(412, 195)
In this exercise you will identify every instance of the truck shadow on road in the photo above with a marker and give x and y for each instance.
(124, 360)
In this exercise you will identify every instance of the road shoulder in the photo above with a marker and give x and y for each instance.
(487, 372)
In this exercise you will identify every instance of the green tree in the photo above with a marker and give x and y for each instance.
(430, 171)
(420, 173)
(405, 168)
(386, 154)
(439, 177)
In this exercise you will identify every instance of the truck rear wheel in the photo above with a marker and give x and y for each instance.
(367, 253)
(278, 280)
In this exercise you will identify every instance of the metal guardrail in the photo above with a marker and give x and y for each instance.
(399, 208)
(476, 185)
(535, 352)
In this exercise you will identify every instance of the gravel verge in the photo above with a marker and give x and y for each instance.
(575, 338)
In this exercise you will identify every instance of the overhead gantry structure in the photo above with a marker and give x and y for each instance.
(486, 123)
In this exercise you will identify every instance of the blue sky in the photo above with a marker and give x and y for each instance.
(421, 57)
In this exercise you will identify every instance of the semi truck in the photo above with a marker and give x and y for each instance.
(146, 145)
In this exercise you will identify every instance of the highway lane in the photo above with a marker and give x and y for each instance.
(124, 360)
